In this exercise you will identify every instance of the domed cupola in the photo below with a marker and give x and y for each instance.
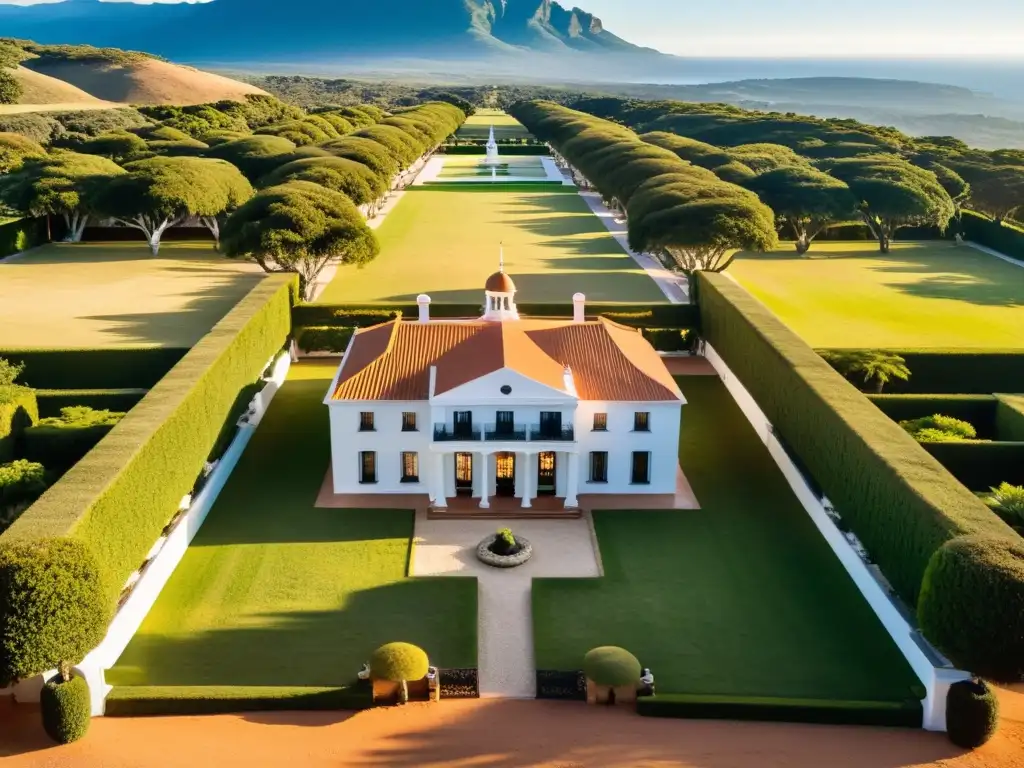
(500, 292)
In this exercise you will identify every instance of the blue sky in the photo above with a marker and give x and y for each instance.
(798, 28)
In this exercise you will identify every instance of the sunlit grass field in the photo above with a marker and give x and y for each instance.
(922, 294)
(445, 241)
(505, 126)
(117, 295)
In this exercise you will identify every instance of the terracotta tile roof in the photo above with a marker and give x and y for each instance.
(608, 361)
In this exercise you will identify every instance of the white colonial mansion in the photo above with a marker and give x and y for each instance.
(503, 406)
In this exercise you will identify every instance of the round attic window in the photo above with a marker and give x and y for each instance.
(506, 390)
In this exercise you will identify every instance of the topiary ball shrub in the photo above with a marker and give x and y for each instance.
(52, 606)
(66, 709)
(972, 713)
(971, 605)
(612, 666)
(505, 543)
(399, 662)
(939, 429)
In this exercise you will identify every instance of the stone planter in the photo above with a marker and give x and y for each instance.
(484, 554)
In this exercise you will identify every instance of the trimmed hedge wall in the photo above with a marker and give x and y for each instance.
(1010, 417)
(906, 714)
(1005, 238)
(320, 338)
(901, 503)
(20, 235)
(119, 400)
(959, 371)
(981, 465)
(118, 499)
(675, 316)
(132, 701)
(130, 368)
(15, 416)
(979, 410)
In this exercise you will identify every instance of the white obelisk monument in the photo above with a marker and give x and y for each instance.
(492, 150)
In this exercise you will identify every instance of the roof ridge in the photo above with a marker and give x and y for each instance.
(609, 325)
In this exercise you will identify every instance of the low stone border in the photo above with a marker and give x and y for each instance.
(487, 557)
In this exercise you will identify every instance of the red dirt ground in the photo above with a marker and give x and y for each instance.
(493, 733)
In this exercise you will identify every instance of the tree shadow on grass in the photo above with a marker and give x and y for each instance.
(309, 647)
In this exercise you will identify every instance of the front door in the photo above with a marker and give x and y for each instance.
(464, 474)
(546, 474)
(505, 477)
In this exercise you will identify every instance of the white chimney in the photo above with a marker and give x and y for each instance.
(579, 304)
(423, 301)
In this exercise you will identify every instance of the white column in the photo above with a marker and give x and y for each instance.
(485, 480)
(527, 481)
(438, 481)
(573, 481)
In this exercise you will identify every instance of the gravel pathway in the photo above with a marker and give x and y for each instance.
(674, 286)
(562, 548)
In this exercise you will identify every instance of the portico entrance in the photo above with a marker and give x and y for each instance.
(505, 475)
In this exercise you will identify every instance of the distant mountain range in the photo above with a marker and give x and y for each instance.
(277, 31)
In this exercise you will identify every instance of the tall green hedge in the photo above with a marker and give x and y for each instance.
(1010, 417)
(1005, 238)
(898, 500)
(121, 495)
(978, 410)
(18, 411)
(128, 368)
(959, 371)
(981, 465)
(20, 235)
(675, 316)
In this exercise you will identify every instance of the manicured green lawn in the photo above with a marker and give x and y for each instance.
(444, 241)
(274, 592)
(927, 294)
(742, 597)
(117, 295)
(505, 126)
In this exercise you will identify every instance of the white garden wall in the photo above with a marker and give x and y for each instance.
(935, 678)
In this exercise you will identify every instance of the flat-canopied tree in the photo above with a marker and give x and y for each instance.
(255, 156)
(365, 151)
(119, 146)
(997, 190)
(299, 227)
(161, 192)
(14, 148)
(65, 184)
(892, 193)
(807, 199)
(358, 182)
(697, 220)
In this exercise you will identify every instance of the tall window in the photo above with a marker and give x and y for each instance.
(463, 422)
(366, 421)
(599, 466)
(641, 421)
(505, 422)
(550, 423)
(410, 467)
(367, 467)
(600, 422)
(409, 421)
(641, 474)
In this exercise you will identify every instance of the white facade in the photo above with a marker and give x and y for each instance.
(503, 433)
